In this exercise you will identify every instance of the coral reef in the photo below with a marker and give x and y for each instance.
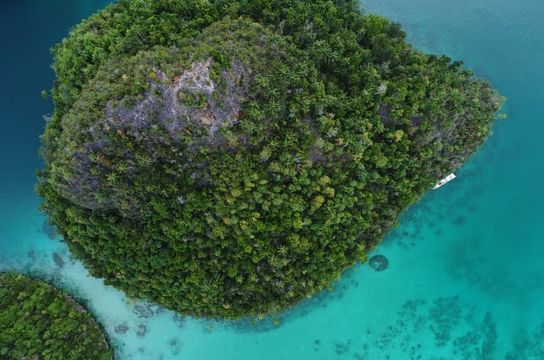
(378, 262)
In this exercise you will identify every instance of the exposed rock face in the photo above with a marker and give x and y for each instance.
(170, 102)
(187, 103)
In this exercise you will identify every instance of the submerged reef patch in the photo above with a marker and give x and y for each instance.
(421, 327)
(57, 259)
(378, 262)
(145, 310)
(121, 328)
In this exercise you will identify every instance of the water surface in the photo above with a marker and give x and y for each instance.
(466, 276)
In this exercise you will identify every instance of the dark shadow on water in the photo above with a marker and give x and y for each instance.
(411, 224)
(50, 230)
(57, 259)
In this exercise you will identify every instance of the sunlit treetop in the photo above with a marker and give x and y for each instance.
(38, 321)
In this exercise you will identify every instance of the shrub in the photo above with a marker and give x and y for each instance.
(38, 321)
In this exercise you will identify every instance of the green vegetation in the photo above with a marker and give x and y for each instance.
(38, 321)
(229, 158)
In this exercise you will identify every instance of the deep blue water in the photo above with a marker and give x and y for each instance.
(466, 275)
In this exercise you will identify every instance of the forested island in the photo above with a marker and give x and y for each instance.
(37, 321)
(229, 158)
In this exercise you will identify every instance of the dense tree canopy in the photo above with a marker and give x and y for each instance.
(38, 321)
(231, 157)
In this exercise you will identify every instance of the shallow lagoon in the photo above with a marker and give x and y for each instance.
(465, 277)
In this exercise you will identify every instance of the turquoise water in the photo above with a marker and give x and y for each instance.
(466, 274)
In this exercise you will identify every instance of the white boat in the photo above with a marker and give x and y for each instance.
(445, 180)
